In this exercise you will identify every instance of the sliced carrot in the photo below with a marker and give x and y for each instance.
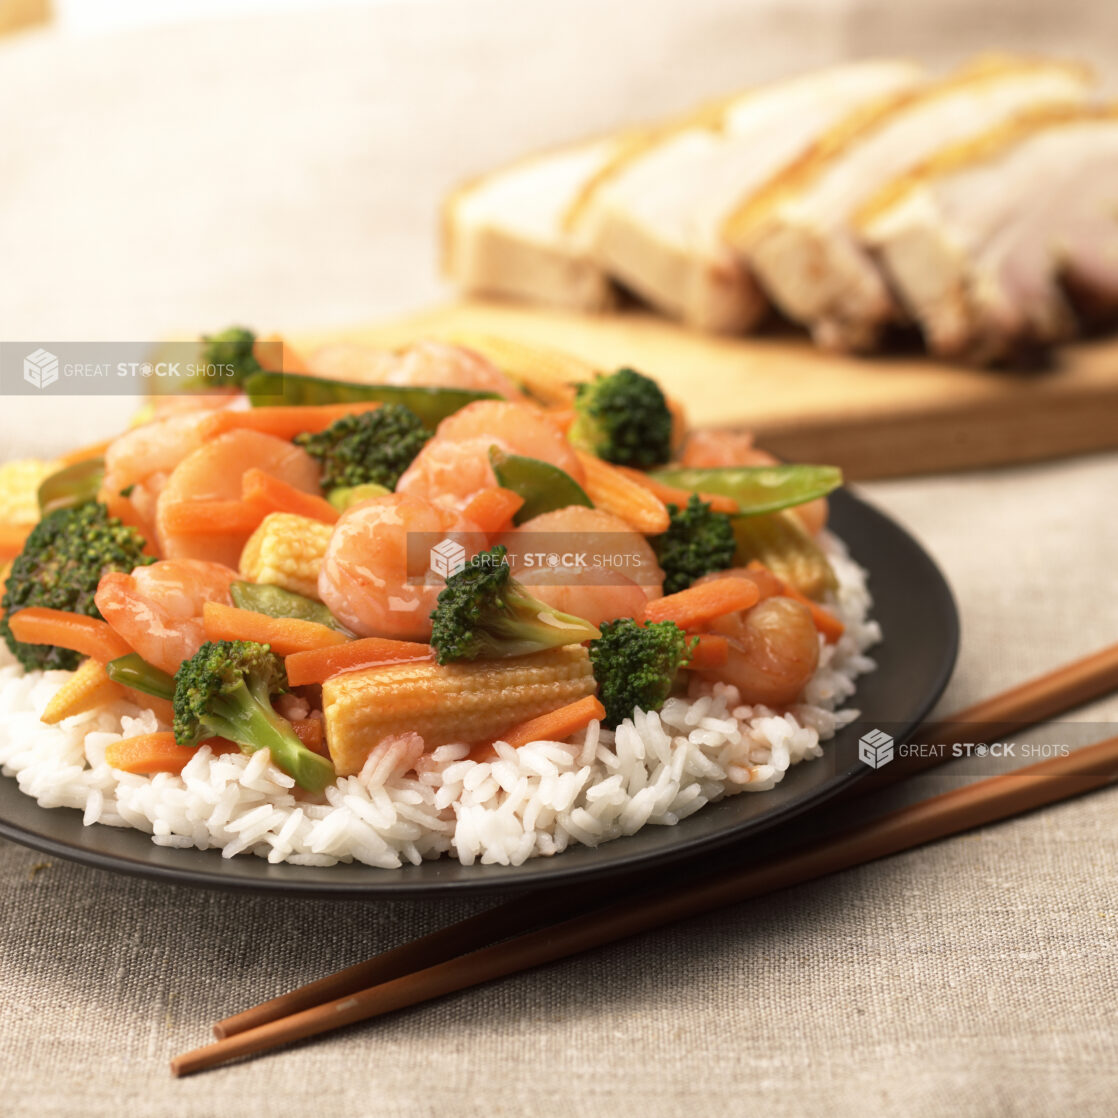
(711, 651)
(309, 731)
(212, 518)
(271, 494)
(283, 422)
(12, 539)
(694, 607)
(284, 635)
(670, 495)
(614, 491)
(318, 665)
(825, 621)
(149, 753)
(88, 635)
(492, 509)
(555, 725)
(290, 360)
(84, 453)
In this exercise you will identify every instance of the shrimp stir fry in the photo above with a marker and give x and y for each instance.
(290, 530)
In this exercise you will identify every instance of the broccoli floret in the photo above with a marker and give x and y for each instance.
(60, 565)
(370, 447)
(484, 613)
(225, 690)
(234, 347)
(698, 541)
(635, 665)
(623, 418)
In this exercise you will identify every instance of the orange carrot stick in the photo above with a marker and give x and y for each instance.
(149, 753)
(492, 509)
(711, 651)
(670, 495)
(284, 635)
(616, 492)
(12, 539)
(212, 518)
(283, 422)
(694, 607)
(269, 493)
(318, 665)
(88, 635)
(555, 725)
(825, 621)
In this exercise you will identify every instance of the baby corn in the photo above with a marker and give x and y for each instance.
(287, 550)
(781, 543)
(19, 489)
(87, 688)
(462, 702)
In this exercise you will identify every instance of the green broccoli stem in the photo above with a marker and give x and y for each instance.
(245, 715)
(538, 625)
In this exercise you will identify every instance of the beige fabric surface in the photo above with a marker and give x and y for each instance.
(285, 173)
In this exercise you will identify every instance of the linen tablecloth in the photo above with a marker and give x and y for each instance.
(285, 173)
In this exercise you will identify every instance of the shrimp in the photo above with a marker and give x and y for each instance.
(213, 472)
(454, 465)
(141, 460)
(773, 648)
(585, 561)
(428, 364)
(375, 575)
(158, 609)
(735, 448)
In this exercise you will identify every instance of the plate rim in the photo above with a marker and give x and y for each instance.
(523, 877)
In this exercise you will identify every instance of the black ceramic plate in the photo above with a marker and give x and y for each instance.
(914, 606)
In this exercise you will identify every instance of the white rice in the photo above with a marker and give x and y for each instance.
(406, 806)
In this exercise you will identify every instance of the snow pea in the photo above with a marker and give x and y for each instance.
(757, 489)
(71, 486)
(275, 601)
(432, 405)
(543, 486)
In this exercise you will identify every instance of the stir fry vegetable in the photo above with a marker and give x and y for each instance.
(636, 665)
(135, 672)
(375, 447)
(623, 418)
(756, 489)
(543, 487)
(72, 486)
(697, 542)
(484, 613)
(432, 405)
(275, 601)
(225, 690)
(59, 568)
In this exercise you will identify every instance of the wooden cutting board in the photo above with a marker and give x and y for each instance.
(876, 417)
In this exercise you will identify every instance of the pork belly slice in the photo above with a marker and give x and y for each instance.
(505, 233)
(655, 221)
(984, 244)
(800, 236)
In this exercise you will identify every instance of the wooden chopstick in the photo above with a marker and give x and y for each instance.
(962, 809)
(1027, 704)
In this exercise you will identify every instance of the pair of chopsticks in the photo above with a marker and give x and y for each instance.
(522, 933)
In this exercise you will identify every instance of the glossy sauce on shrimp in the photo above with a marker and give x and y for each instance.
(158, 609)
(376, 577)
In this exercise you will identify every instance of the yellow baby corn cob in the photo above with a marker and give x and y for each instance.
(614, 492)
(87, 688)
(19, 489)
(287, 550)
(464, 702)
